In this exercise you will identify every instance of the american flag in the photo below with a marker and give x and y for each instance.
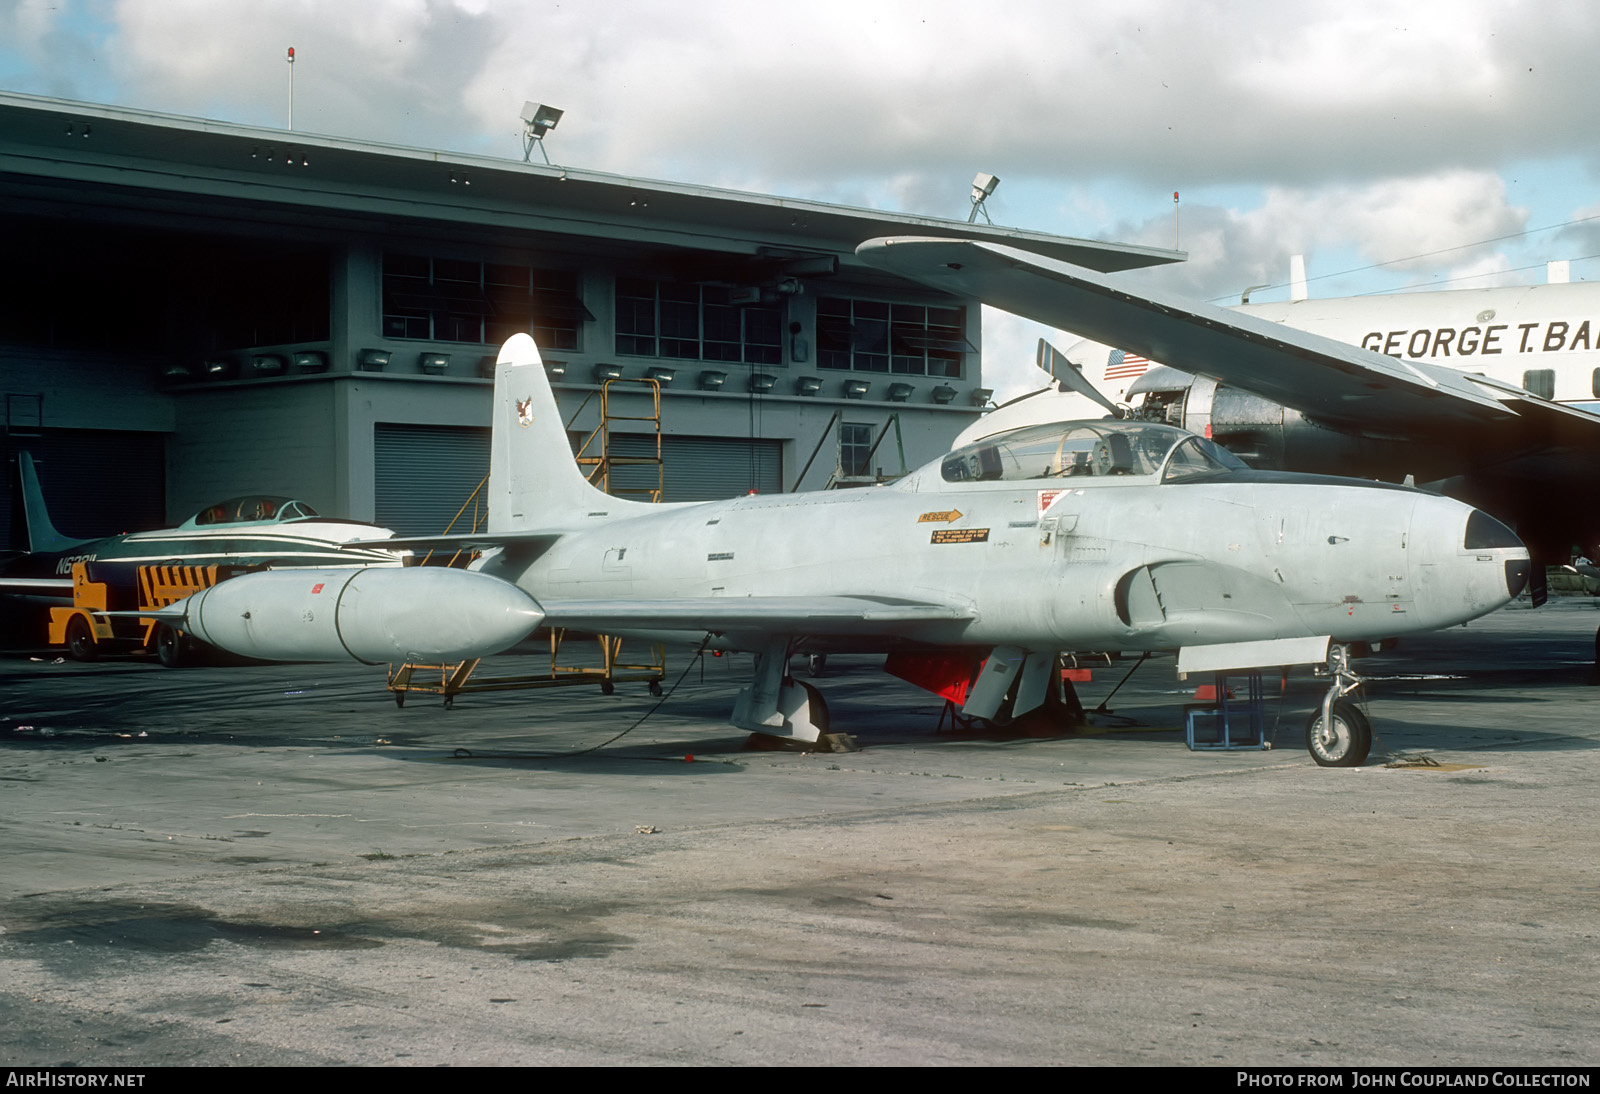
(1125, 366)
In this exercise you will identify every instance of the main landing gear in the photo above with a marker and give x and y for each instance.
(783, 711)
(1339, 734)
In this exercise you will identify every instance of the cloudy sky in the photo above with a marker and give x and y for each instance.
(1395, 144)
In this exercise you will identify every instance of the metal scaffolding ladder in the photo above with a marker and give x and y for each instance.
(450, 680)
(606, 461)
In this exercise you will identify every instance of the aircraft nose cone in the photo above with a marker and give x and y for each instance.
(1464, 563)
(1518, 570)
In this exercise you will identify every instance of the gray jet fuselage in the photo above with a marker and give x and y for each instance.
(1197, 552)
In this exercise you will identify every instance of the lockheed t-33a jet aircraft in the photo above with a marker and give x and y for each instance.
(1094, 535)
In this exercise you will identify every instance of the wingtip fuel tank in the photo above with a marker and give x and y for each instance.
(425, 615)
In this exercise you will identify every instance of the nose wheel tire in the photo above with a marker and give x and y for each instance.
(1345, 742)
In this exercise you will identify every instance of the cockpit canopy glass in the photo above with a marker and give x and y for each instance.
(254, 507)
(1102, 450)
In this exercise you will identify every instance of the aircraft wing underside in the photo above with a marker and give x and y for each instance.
(798, 615)
(1354, 389)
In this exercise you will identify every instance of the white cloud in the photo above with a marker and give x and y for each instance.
(1353, 131)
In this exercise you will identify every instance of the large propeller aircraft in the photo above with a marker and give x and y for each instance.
(1294, 400)
(1069, 536)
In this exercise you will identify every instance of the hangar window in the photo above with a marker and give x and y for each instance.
(451, 300)
(855, 449)
(908, 339)
(695, 323)
(1540, 381)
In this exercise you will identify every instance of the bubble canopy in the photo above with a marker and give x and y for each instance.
(1089, 452)
(253, 509)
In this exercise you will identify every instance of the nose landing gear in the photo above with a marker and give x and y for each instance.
(1339, 734)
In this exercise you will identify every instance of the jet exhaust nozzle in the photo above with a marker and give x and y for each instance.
(423, 615)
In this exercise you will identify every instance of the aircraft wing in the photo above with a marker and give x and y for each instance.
(458, 541)
(41, 586)
(800, 615)
(1357, 390)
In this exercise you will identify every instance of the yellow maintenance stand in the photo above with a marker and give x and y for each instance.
(452, 679)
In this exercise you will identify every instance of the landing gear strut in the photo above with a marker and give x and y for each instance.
(1338, 734)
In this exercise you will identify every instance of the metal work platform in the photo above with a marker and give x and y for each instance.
(451, 680)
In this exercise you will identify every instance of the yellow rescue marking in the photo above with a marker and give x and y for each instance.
(946, 516)
(960, 535)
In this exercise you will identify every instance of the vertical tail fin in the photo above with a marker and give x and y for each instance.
(42, 535)
(534, 483)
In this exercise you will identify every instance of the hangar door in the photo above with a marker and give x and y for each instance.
(703, 468)
(424, 474)
(96, 482)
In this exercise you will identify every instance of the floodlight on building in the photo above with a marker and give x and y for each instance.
(899, 393)
(310, 361)
(537, 120)
(556, 370)
(807, 385)
(177, 374)
(486, 365)
(602, 373)
(761, 382)
(982, 395)
(982, 186)
(219, 368)
(663, 376)
(372, 360)
(944, 394)
(711, 380)
(434, 364)
(266, 364)
(856, 389)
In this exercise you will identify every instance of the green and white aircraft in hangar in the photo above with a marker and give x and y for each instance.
(1091, 535)
(246, 532)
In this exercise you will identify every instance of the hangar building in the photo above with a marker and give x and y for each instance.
(192, 309)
